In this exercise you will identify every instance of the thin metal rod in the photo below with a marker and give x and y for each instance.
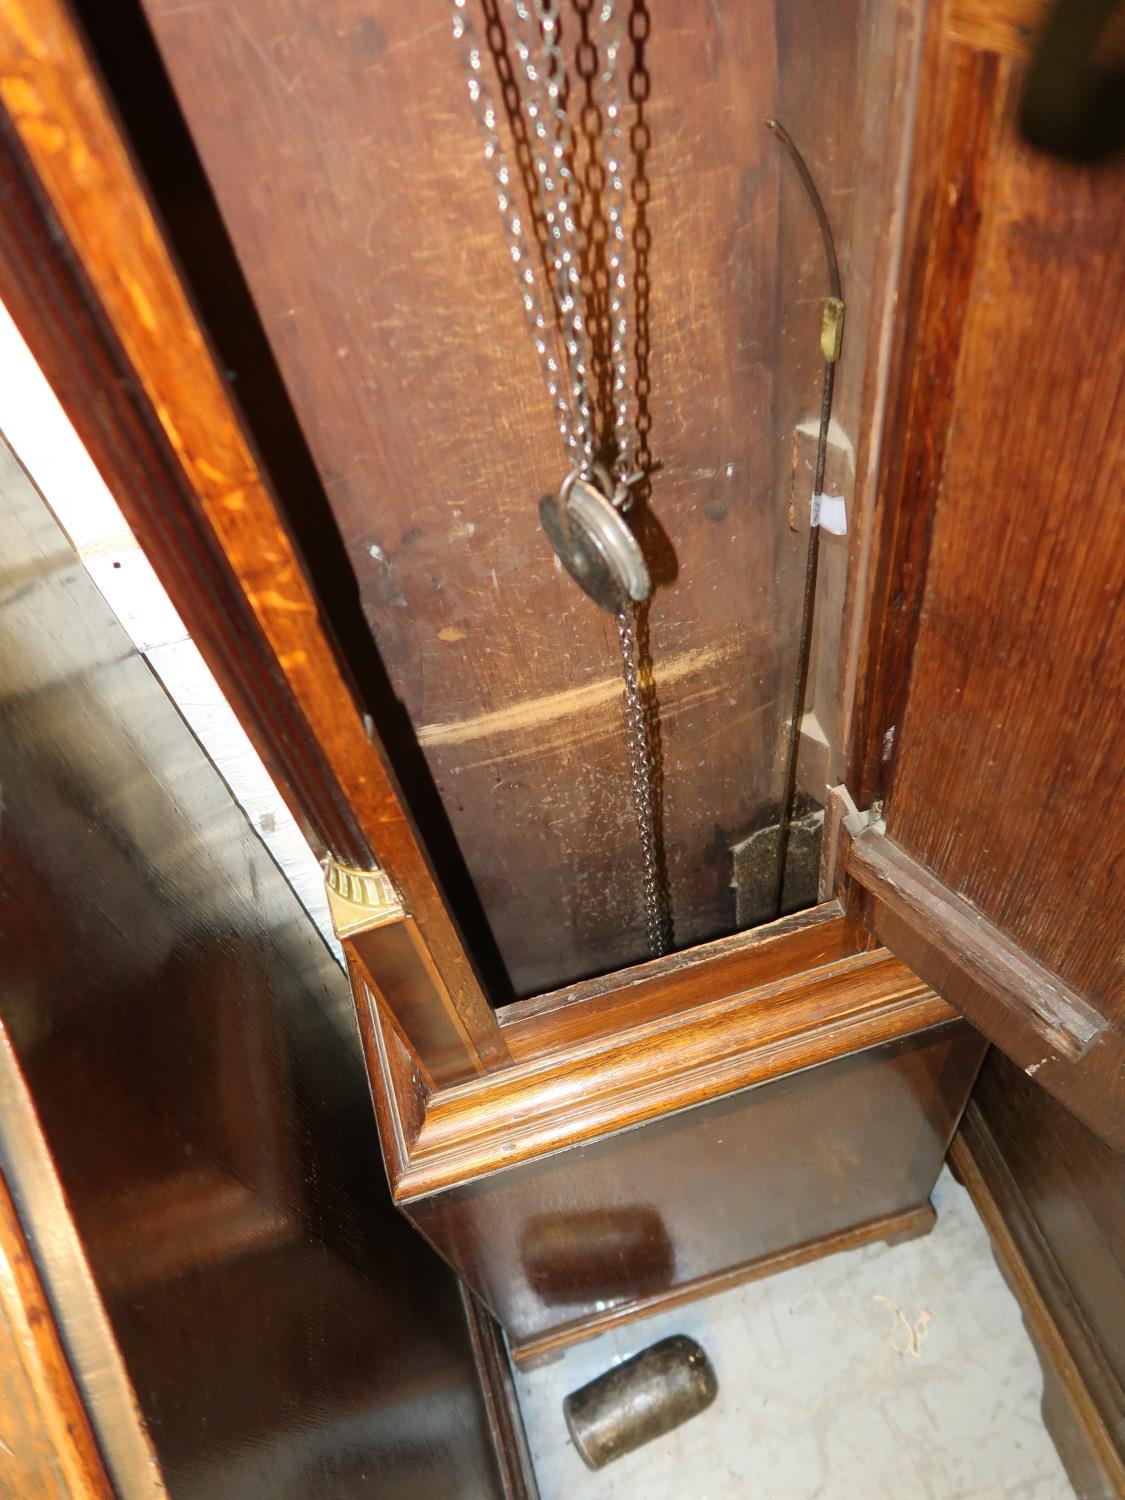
(812, 557)
(817, 202)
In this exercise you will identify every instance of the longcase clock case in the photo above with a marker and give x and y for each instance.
(259, 262)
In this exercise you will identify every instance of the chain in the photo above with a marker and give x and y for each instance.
(536, 40)
(535, 34)
(613, 201)
(644, 775)
(484, 109)
(552, 150)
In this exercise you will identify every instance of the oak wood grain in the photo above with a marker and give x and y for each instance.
(1028, 993)
(1004, 26)
(621, 1078)
(949, 170)
(664, 986)
(1010, 27)
(47, 1449)
(1009, 772)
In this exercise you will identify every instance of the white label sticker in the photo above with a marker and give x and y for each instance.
(829, 513)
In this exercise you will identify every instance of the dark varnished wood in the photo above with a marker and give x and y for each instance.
(948, 175)
(1073, 1186)
(1008, 771)
(705, 1195)
(63, 1268)
(498, 1385)
(624, 1078)
(160, 423)
(188, 1045)
(414, 379)
(1052, 1196)
(1023, 992)
(47, 1450)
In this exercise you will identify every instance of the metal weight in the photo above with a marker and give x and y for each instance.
(639, 1400)
(595, 544)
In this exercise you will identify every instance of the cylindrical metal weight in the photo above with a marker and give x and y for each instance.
(639, 1400)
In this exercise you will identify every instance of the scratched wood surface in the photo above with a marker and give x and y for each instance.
(1009, 774)
(340, 147)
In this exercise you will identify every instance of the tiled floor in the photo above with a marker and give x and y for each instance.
(880, 1374)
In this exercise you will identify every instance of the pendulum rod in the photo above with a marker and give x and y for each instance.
(831, 333)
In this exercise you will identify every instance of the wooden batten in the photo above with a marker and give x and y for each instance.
(908, 893)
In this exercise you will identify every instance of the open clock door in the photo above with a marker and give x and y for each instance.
(995, 869)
